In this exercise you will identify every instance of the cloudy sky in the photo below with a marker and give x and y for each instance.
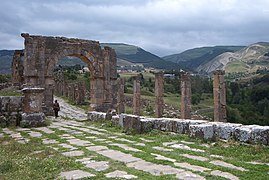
(160, 26)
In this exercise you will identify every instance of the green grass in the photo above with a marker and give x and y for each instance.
(18, 161)
(6, 92)
(237, 66)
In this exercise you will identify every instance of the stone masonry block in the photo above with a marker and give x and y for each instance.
(204, 131)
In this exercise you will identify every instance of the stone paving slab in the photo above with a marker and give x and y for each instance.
(146, 140)
(73, 153)
(154, 169)
(125, 140)
(191, 167)
(49, 141)
(97, 148)
(79, 142)
(185, 147)
(199, 158)
(67, 146)
(227, 165)
(160, 157)
(118, 156)
(34, 134)
(45, 130)
(97, 165)
(125, 147)
(75, 174)
(120, 174)
(224, 175)
(162, 149)
(186, 175)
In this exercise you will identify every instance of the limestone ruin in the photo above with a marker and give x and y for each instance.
(136, 96)
(159, 90)
(185, 96)
(42, 53)
(219, 91)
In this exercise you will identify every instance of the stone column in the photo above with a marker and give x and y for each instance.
(136, 97)
(185, 96)
(17, 68)
(159, 82)
(97, 94)
(120, 96)
(32, 107)
(219, 92)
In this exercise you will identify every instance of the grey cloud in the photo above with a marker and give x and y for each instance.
(160, 26)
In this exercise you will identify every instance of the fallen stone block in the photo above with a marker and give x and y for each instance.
(260, 134)
(243, 134)
(96, 116)
(130, 123)
(204, 131)
(146, 125)
(32, 120)
(225, 130)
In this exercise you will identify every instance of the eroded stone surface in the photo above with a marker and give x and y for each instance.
(199, 158)
(97, 165)
(124, 146)
(186, 175)
(191, 167)
(73, 153)
(75, 174)
(118, 156)
(79, 142)
(227, 165)
(224, 174)
(160, 157)
(185, 147)
(162, 149)
(97, 148)
(154, 169)
(120, 174)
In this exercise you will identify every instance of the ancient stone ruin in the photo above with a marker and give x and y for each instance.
(42, 53)
(159, 83)
(185, 96)
(136, 96)
(219, 91)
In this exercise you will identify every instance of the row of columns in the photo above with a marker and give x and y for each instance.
(219, 91)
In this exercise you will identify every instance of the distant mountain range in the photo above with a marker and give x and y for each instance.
(228, 58)
(202, 60)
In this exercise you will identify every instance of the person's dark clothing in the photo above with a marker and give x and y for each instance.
(56, 108)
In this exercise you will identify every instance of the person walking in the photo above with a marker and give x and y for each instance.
(56, 108)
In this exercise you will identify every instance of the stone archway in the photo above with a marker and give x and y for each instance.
(42, 53)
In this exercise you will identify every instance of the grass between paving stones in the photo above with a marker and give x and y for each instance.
(14, 161)
(235, 153)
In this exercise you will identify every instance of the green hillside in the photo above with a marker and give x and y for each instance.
(193, 58)
(5, 61)
(138, 55)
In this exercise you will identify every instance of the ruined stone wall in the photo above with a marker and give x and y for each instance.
(10, 110)
(213, 131)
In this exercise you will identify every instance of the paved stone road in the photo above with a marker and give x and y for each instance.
(78, 139)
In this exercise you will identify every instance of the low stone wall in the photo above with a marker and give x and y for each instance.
(10, 110)
(213, 131)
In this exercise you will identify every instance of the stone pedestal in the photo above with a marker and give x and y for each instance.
(136, 97)
(159, 82)
(120, 96)
(33, 115)
(185, 96)
(219, 91)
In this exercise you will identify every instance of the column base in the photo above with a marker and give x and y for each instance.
(32, 120)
